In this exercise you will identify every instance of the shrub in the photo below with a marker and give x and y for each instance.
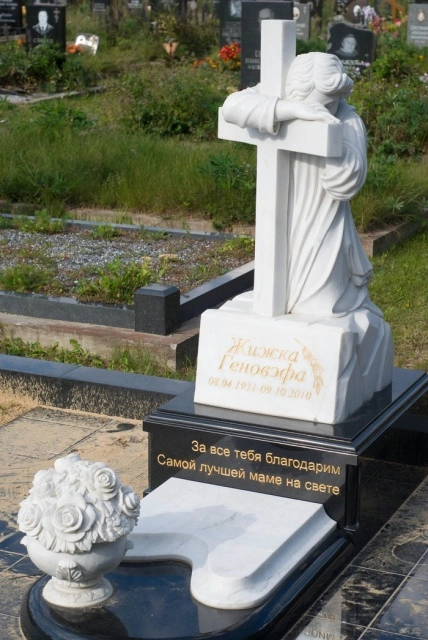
(392, 98)
(45, 67)
(182, 102)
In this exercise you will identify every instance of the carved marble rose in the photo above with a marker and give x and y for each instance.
(78, 504)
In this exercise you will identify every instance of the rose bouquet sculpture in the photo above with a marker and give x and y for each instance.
(76, 520)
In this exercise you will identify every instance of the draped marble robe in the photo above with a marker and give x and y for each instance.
(328, 270)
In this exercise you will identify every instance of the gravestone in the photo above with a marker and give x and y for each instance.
(417, 25)
(253, 14)
(230, 14)
(46, 25)
(302, 16)
(354, 46)
(11, 14)
(100, 6)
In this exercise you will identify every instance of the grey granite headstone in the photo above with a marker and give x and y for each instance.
(302, 16)
(417, 25)
(252, 15)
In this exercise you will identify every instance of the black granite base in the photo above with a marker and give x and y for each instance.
(290, 458)
(153, 601)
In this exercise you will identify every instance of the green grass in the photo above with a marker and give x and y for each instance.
(399, 288)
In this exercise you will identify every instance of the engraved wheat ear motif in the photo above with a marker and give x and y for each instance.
(317, 369)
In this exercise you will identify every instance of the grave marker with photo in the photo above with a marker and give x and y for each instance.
(46, 25)
(354, 46)
(253, 14)
(302, 17)
(417, 25)
(230, 13)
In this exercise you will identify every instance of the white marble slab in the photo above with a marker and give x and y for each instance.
(240, 544)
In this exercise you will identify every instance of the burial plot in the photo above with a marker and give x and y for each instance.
(354, 46)
(417, 25)
(46, 25)
(253, 14)
(253, 487)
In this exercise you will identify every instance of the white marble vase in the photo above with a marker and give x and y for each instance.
(76, 520)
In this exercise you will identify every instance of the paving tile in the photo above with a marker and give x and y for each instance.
(9, 628)
(125, 451)
(8, 559)
(321, 627)
(372, 634)
(62, 416)
(358, 595)
(407, 613)
(12, 544)
(37, 439)
(12, 589)
(403, 541)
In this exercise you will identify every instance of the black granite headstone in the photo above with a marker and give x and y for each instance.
(45, 25)
(252, 15)
(354, 46)
(230, 13)
(100, 6)
(417, 25)
(11, 14)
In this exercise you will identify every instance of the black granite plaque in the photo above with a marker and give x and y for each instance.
(230, 13)
(417, 25)
(11, 14)
(45, 25)
(354, 46)
(100, 6)
(291, 458)
(252, 15)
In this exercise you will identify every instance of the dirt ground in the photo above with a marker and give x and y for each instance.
(12, 406)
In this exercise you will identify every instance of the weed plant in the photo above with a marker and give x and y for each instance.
(136, 360)
(105, 232)
(118, 283)
(24, 277)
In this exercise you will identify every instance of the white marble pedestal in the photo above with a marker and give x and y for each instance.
(240, 544)
(314, 369)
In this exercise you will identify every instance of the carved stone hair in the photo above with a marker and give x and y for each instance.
(321, 71)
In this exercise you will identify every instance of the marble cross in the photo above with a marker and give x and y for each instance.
(278, 47)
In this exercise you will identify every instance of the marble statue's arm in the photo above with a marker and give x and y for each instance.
(249, 108)
(343, 177)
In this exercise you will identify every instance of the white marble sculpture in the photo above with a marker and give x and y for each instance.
(76, 520)
(309, 343)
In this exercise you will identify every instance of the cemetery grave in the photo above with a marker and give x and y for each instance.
(258, 492)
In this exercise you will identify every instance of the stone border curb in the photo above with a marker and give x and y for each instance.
(69, 386)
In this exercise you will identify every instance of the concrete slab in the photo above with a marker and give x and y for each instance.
(173, 350)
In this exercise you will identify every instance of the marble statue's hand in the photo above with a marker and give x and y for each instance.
(291, 110)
